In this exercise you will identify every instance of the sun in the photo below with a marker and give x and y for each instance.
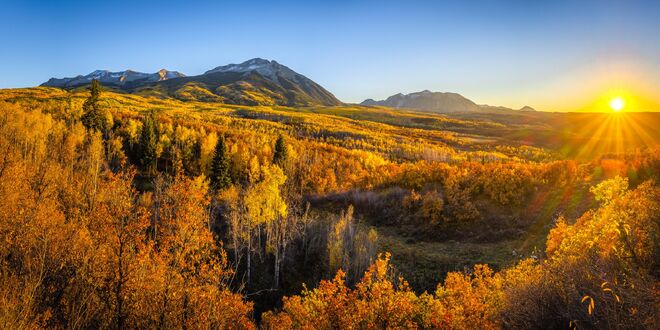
(617, 104)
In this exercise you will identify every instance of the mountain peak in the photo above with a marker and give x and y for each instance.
(268, 69)
(292, 87)
(257, 61)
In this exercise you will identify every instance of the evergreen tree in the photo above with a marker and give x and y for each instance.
(220, 176)
(281, 152)
(94, 118)
(148, 143)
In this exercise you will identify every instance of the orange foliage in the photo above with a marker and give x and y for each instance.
(378, 302)
(79, 249)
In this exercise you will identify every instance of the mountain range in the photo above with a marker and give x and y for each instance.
(121, 78)
(260, 82)
(439, 102)
(253, 82)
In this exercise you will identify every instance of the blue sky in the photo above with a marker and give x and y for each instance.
(553, 55)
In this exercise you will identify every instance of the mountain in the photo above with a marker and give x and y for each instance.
(121, 78)
(499, 109)
(428, 101)
(253, 82)
(437, 102)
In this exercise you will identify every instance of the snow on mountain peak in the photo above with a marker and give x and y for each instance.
(113, 78)
(269, 69)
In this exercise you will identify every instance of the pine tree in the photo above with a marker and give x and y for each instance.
(281, 152)
(220, 176)
(148, 143)
(93, 117)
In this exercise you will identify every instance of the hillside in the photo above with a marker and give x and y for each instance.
(438, 102)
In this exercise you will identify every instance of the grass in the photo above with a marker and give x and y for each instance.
(423, 264)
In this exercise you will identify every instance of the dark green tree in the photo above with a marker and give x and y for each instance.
(148, 143)
(220, 171)
(94, 118)
(281, 153)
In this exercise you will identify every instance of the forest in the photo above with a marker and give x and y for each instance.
(131, 211)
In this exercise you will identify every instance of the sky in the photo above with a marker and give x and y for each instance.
(552, 55)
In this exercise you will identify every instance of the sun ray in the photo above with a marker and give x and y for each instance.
(639, 131)
(575, 146)
(588, 149)
(618, 135)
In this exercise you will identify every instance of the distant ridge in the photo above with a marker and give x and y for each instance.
(120, 78)
(253, 82)
(439, 102)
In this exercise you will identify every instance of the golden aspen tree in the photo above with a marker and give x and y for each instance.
(264, 204)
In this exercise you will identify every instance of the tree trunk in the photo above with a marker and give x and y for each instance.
(184, 324)
(156, 208)
(249, 257)
(276, 280)
(118, 289)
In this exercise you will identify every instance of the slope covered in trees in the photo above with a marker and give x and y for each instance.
(131, 212)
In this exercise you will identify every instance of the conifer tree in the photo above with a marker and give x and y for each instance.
(93, 117)
(148, 143)
(220, 176)
(281, 152)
